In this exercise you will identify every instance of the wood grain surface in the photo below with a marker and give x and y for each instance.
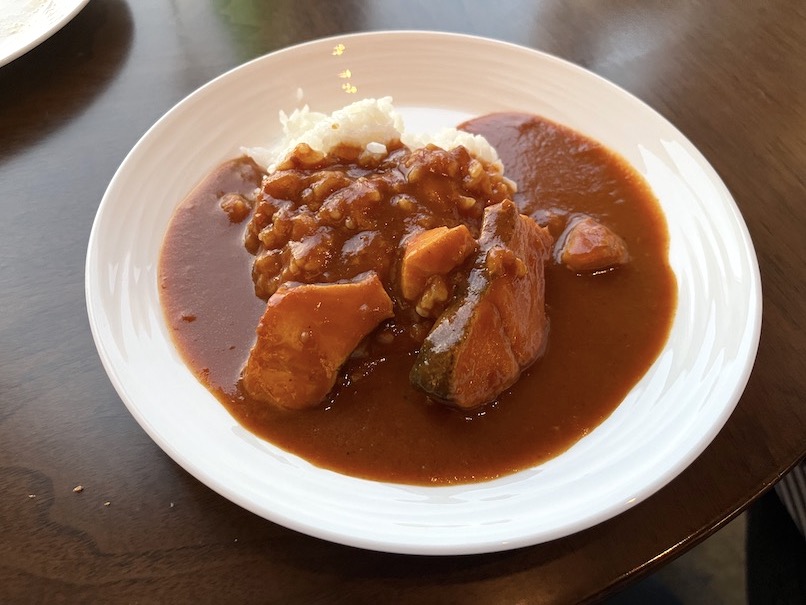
(731, 76)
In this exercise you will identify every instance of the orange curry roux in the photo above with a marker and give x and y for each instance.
(605, 329)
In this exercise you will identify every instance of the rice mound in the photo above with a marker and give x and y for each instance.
(370, 124)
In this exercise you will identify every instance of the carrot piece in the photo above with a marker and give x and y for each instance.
(437, 251)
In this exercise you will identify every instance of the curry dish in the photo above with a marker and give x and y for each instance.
(465, 328)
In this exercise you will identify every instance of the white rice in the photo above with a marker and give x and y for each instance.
(370, 124)
(448, 138)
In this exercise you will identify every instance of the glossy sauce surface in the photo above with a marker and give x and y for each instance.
(605, 330)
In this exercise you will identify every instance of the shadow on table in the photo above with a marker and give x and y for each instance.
(776, 555)
(60, 78)
(773, 567)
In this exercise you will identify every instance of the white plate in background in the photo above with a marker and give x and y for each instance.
(436, 79)
(24, 24)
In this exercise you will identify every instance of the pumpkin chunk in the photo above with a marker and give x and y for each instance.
(306, 334)
(496, 326)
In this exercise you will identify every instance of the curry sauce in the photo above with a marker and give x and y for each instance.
(606, 328)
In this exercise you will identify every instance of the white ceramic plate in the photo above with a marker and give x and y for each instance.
(436, 79)
(25, 24)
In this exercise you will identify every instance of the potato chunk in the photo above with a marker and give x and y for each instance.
(590, 246)
(496, 326)
(306, 334)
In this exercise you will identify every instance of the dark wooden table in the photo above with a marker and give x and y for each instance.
(732, 77)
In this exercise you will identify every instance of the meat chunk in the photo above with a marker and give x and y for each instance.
(305, 335)
(590, 246)
(427, 258)
(497, 325)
